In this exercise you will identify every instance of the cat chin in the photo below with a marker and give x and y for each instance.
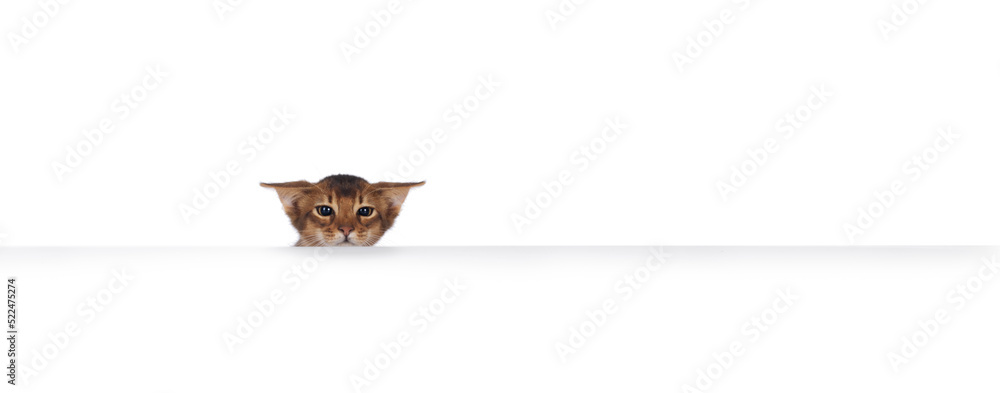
(319, 239)
(341, 243)
(328, 244)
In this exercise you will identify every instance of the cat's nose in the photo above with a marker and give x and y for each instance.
(346, 230)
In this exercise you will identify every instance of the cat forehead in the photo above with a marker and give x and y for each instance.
(338, 193)
(344, 186)
(335, 196)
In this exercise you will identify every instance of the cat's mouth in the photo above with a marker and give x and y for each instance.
(345, 241)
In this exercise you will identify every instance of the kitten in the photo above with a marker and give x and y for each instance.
(341, 210)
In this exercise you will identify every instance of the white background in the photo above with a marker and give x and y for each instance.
(163, 332)
(654, 184)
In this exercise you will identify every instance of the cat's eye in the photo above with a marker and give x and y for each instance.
(324, 211)
(365, 211)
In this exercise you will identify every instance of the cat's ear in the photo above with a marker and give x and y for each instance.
(289, 192)
(394, 193)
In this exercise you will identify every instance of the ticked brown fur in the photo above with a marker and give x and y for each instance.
(346, 196)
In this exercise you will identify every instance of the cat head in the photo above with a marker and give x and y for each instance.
(341, 210)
